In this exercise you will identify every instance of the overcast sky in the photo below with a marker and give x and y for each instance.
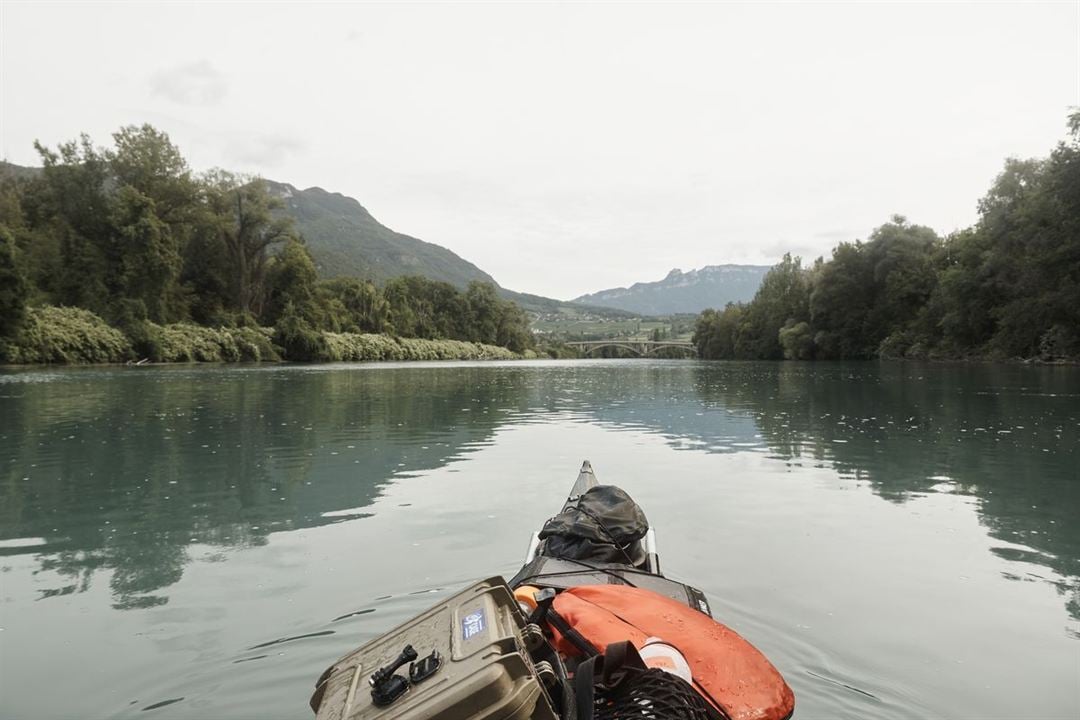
(570, 148)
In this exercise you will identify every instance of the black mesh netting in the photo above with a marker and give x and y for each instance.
(651, 694)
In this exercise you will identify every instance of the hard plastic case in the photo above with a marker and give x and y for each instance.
(486, 672)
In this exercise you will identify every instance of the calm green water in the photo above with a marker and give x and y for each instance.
(903, 541)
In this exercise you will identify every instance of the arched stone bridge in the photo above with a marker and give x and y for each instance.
(642, 348)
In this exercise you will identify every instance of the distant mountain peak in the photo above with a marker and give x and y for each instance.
(683, 292)
(281, 190)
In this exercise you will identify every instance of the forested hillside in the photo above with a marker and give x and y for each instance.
(107, 246)
(346, 241)
(1008, 287)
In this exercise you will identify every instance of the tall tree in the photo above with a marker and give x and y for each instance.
(365, 309)
(840, 302)
(149, 260)
(484, 311)
(291, 280)
(76, 208)
(20, 212)
(901, 260)
(715, 332)
(513, 332)
(247, 227)
(783, 295)
(14, 288)
(147, 160)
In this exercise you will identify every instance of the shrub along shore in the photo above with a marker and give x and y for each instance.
(75, 336)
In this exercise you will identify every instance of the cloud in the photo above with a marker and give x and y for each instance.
(804, 250)
(262, 151)
(197, 83)
(836, 235)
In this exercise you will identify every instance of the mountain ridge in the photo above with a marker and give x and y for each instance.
(681, 292)
(345, 239)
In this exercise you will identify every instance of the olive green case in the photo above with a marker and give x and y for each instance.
(486, 673)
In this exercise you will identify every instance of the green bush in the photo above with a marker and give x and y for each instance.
(255, 344)
(298, 340)
(904, 344)
(1059, 342)
(417, 349)
(796, 340)
(354, 347)
(183, 342)
(362, 347)
(74, 335)
(66, 335)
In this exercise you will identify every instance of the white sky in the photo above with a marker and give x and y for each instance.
(570, 148)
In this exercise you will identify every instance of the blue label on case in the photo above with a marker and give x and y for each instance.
(472, 624)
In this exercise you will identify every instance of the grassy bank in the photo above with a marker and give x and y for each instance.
(73, 336)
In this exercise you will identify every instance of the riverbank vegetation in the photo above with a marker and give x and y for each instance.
(123, 253)
(75, 336)
(1008, 287)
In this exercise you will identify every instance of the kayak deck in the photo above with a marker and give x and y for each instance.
(544, 571)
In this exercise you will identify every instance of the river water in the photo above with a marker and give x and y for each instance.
(901, 540)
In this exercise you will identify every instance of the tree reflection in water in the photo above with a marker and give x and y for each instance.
(125, 469)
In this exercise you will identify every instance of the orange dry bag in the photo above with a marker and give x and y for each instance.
(727, 670)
